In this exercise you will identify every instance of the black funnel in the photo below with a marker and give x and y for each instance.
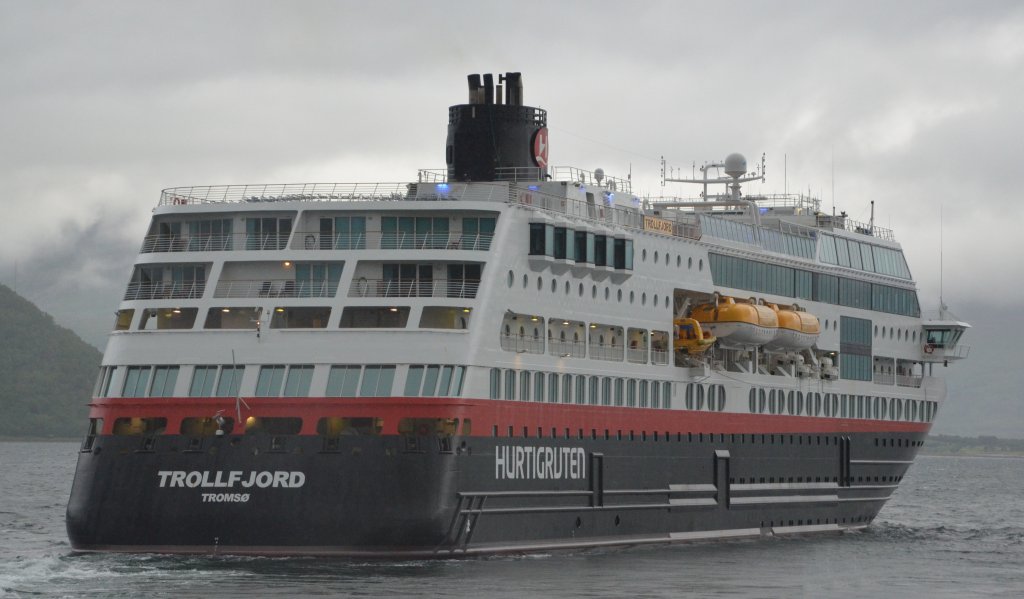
(494, 137)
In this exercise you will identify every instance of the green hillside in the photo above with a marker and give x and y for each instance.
(46, 373)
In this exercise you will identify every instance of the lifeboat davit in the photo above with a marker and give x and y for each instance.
(797, 329)
(737, 325)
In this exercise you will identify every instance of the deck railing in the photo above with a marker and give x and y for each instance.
(275, 288)
(380, 240)
(529, 345)
(908, 381)
(173, 290)
(607, 351)
(567, 349)
(457, 288)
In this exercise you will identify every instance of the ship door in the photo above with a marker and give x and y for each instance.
(722, 477)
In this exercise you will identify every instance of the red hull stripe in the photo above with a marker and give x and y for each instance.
(486, 414)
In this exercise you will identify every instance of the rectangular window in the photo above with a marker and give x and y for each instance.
(828, 250)
(444, 385)
(510, 384)
(539, 386)
(164, 379)
(581, 384)
(430, 381)
(803, 284)
(560, 243)
(600, 250)
(136, 380)
(537, 239)
(843, 251)
(580, 241)
(343, 381)
(619, 257)
(619, 392)
(854, 294)
(566, 388)
(457, 378)
(855, 348)
(230, 381)
(553, 388)
(495, 383)
(629, 254)
(413, 381)
(105, 386)
(377, 381)
(297, 383)
(524, 385)
(269, 382)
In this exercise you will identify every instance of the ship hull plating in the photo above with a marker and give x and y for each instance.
(434, 496)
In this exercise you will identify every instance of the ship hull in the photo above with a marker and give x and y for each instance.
(401, 496)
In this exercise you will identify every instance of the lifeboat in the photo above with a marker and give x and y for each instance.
(797, 329)
(691, 338)
(737, 324)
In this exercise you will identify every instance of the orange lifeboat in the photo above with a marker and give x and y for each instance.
(737, 324)
(797, 329)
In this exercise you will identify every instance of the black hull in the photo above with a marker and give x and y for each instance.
(439, 497)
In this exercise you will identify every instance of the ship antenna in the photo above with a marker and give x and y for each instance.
(239, 402)
(942, 304)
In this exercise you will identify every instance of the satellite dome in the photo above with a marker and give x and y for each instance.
(735, 165)
(598, 175)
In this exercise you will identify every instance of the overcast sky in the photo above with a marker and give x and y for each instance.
(103, 104)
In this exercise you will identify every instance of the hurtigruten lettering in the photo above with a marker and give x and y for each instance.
(207, 479)
(518, 462)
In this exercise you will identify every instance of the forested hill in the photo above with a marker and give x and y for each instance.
(46, 373)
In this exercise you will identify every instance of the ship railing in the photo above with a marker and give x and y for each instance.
(607, 351)
(172, 290)
(275, 288)
(567, 349)
(908, 381)
(389, 240)
(636, 356)
(828, 221)
(454, 288)
(659, 356)
(531, 174)
(522, 344)
(884, 378)
(333, 192)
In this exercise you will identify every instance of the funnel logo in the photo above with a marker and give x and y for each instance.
(540, 147)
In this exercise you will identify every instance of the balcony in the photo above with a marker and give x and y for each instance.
(379, 240)
(174, 290)
(214, 243)
(659, 356)
(607, 351)
(636, 356)
(527, 345)
(363, 287)
(567, 349)
(275, 288)
(907, 381)
(883, 378)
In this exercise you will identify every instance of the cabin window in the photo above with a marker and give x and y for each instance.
(346, 426)
(383, 317)
(136, 381)
(377, 381)
(297, 382)
(300, 318)
(342, 233)
(272, 426)
(230, 381)
(343, 381)
(140, 426)
(269, 382)
(164, 379)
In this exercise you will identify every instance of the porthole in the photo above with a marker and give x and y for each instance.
(619, 295)
(876, 330)
(655, 300)
(700, 265)
(899, 334)
(554, 285)
(607, 293)
(643, 299)
(689, 262)
(581, 289)
(526, 281)
(890, 333)
(593, 291)
(666, 258)
(655, 256)
(540, 283)
(915, 336)
(679, 261)
(511, 278)
(632, 296)
(643, 255)
(568, 287)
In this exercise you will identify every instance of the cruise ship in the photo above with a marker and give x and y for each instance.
(503, 356)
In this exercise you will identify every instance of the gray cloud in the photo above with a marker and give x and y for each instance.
(108, 103)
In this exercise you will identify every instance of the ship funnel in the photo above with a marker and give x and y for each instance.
(494, 137)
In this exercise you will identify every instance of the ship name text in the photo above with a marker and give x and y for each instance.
(229, 480)
(517, 462)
